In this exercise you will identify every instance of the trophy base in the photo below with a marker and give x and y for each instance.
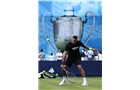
(61, 45)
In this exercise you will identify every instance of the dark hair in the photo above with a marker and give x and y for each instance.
(41, 50)
(51, 53)
(75, 37)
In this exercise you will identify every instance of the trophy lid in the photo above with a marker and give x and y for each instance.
(69, 10)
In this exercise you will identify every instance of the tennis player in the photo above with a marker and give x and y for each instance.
(72, 50)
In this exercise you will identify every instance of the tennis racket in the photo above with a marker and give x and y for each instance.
(71, 77)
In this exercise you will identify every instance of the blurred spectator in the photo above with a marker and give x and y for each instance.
(90, 54)
(99, 55)
(59, 55)
(83, 55)
(95, 55)
(41, 55)
(51, 57)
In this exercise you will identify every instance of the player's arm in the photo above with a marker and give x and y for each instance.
(64, 56)
(86, 47)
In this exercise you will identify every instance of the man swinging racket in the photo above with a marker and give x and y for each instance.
(72, 50)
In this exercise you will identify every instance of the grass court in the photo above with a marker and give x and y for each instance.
(94, 83)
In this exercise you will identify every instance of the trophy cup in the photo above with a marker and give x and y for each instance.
(64, 27)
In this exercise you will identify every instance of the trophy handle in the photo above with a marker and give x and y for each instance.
(91, 31)
(46, 36)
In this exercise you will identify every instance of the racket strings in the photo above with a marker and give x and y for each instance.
(72, 77)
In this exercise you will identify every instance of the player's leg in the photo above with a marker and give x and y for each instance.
(82, 72)
(63, 74)
(63, 67)
(66, 64)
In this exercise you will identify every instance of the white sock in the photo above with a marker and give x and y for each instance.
(64, 77)
(84, 79)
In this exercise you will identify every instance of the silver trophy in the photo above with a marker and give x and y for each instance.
(64, 27)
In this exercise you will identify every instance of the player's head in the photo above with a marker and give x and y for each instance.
(74, 39)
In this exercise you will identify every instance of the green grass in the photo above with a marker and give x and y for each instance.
(94, 83)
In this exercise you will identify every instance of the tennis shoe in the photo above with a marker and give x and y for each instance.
(62, 82)
(85, 84)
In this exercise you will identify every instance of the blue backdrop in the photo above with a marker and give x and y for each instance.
(57, 9)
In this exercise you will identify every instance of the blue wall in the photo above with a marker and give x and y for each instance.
(57, 9)
(92, 68)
